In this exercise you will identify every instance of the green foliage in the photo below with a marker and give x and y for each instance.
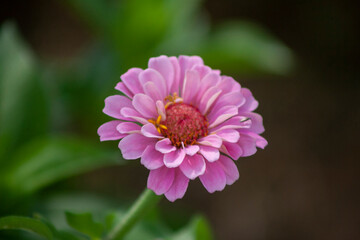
(197, 229)
(47, 160)
(141, 29)
(84, 223)
(27, 224)
(24, 111)
(246, 47)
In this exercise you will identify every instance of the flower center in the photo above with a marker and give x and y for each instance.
(184, 124)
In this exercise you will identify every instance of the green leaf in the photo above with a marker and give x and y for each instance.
(23, 107)
(45, 161)
(27, 224)
(247, 48)
(198, 229)
(84, 223)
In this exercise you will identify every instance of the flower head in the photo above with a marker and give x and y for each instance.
(184, 120)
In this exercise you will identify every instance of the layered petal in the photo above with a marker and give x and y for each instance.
(128, 127)
(151, 75)
(151, 158)
(145, 106)
(165, 146)
(191, 86)
(178, 187)
(131, 81)
(234, 150)
(228, 135)
(214, 178)
(193, 166)
(108, 131)
(149, 130)
(133, 115)
(256, 122)
(165, 67)
(218, 116)
(114, 104)
(210, 153)
(161, 179)
(230, 169)
(175, 158)
(210, 140)
(130, 150)
(250, 102)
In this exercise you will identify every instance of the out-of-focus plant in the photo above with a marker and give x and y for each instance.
(49, 113)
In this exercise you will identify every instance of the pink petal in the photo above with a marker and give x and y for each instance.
(122, 88)
(165, 146)
(210, 153)
(191, 86)
(131, 80)
(175, 86)
(230, 169)
(145, 106)
(208, 99)
(133, 115)
(152, 91)
(214, 178)
(133, 145)
(114, 104)
(108, 131)
(164, 66)
(250, 103)
(128, 127)
(237, 122)
(210, 140)
(247, 144)
(232, 149)
(151, 158)
(232, 98)
(256, 122)
(161, 179)
(149, 130)
(175, 158)
(229, 135)
(228, 84)
(261, 142)
(151, 75)
(193, 166)
(203, 70)
(221, 115)
(191, 150)
(188, 63)
(210, 80)
(179, 186)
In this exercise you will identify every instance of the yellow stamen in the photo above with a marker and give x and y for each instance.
(163, 126)
(158, 119)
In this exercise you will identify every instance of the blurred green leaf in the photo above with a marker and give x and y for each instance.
(48, 160)
(27, 224)
(84, 223)
(198, 229)
(23, 108)
(245, 47)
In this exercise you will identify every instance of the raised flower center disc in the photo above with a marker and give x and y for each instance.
(185, 124)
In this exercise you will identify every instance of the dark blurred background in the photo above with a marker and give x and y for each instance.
(305, 184)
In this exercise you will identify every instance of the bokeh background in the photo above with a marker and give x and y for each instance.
(299, 58)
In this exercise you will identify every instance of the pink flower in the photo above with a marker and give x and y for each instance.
(184, 120)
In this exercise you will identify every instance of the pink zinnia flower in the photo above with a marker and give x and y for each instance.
(184, 120)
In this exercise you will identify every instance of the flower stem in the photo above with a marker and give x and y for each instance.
(145, 202)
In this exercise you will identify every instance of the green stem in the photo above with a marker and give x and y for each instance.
(146, 201)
